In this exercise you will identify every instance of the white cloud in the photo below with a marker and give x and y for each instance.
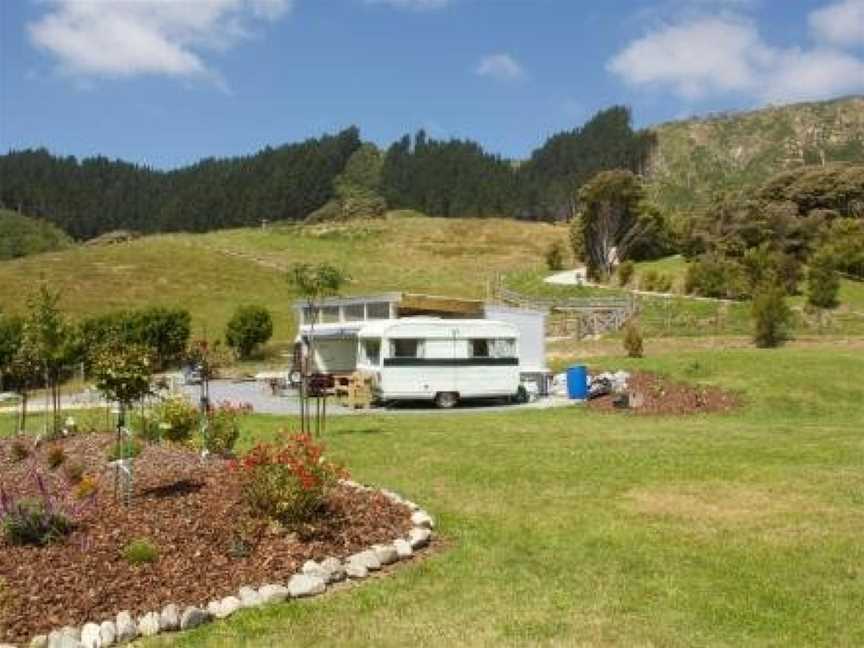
(720, 55)
(414, 5)
(111, 39)
(500, 66)
(840, 24)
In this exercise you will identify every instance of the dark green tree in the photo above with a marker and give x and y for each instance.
(614, 218)
(823, 283)
(249, 327)
(772, 316)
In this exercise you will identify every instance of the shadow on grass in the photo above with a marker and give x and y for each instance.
(355, 432)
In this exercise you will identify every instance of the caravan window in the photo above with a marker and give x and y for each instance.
(492, 348)
(479, 348)
(406, 348)
(503, 348)
(370, 352)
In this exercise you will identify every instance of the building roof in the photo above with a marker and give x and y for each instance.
(432, 327)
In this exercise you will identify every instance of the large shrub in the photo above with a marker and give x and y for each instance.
(771, 316)
(174, 419)
(715, 276)
(554, 256)
(249, 327)
(653, 281)
(823, 282)
(625, 272)
(289, 482)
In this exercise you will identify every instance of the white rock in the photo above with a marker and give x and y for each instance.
(366, 558)
(90, 636)
(419, 537)
(421, 518)
(148, 625)
(126, 628)
(355, 570)
(411, 505)
(386, 554)
(193, 617)
(312, 568)
(67, 637)
(213, 608)
(302, 585)
(169, 620)
(226, 607)
(273, 593)
(108, 633)
(249, 597)
(393, 497)
(403, 548)
(334, 568)
(39, 641)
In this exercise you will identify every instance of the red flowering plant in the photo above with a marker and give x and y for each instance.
(288, 482)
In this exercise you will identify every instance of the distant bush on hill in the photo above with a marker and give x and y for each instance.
(21, 236)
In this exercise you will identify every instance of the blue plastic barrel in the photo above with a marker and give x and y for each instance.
(577, 382)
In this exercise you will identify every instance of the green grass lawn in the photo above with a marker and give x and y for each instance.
(573, 528)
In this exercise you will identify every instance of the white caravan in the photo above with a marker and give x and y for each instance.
(443, 360)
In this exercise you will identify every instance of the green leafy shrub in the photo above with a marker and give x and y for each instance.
(771, 316)
(289, 482)
(223, 427)
(174, 419)
(633, 340)
(653, 281)
(55, 458)
(625, 272)
(718, 277)
(248, 328)
(140, 552)
(555, 256)
(823, 283)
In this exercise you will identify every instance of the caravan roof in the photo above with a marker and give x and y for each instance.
(433, 327)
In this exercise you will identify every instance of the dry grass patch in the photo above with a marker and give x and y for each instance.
(721, 505)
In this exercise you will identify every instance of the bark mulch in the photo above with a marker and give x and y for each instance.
(654, 395)
(209, 543)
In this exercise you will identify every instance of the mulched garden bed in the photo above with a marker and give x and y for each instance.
(209, 543)
(657, 395)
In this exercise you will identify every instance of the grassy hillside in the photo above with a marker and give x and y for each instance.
(211, 274)
(21, 236)
(697, 157)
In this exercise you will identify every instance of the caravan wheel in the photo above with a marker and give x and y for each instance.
(446, 400)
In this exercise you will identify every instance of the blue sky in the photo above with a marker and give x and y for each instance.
(167, 82)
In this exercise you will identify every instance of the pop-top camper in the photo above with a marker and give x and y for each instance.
(440, 360)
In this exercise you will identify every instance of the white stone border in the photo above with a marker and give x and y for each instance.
(312, 580)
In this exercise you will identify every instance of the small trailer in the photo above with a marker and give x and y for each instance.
(442, 360)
